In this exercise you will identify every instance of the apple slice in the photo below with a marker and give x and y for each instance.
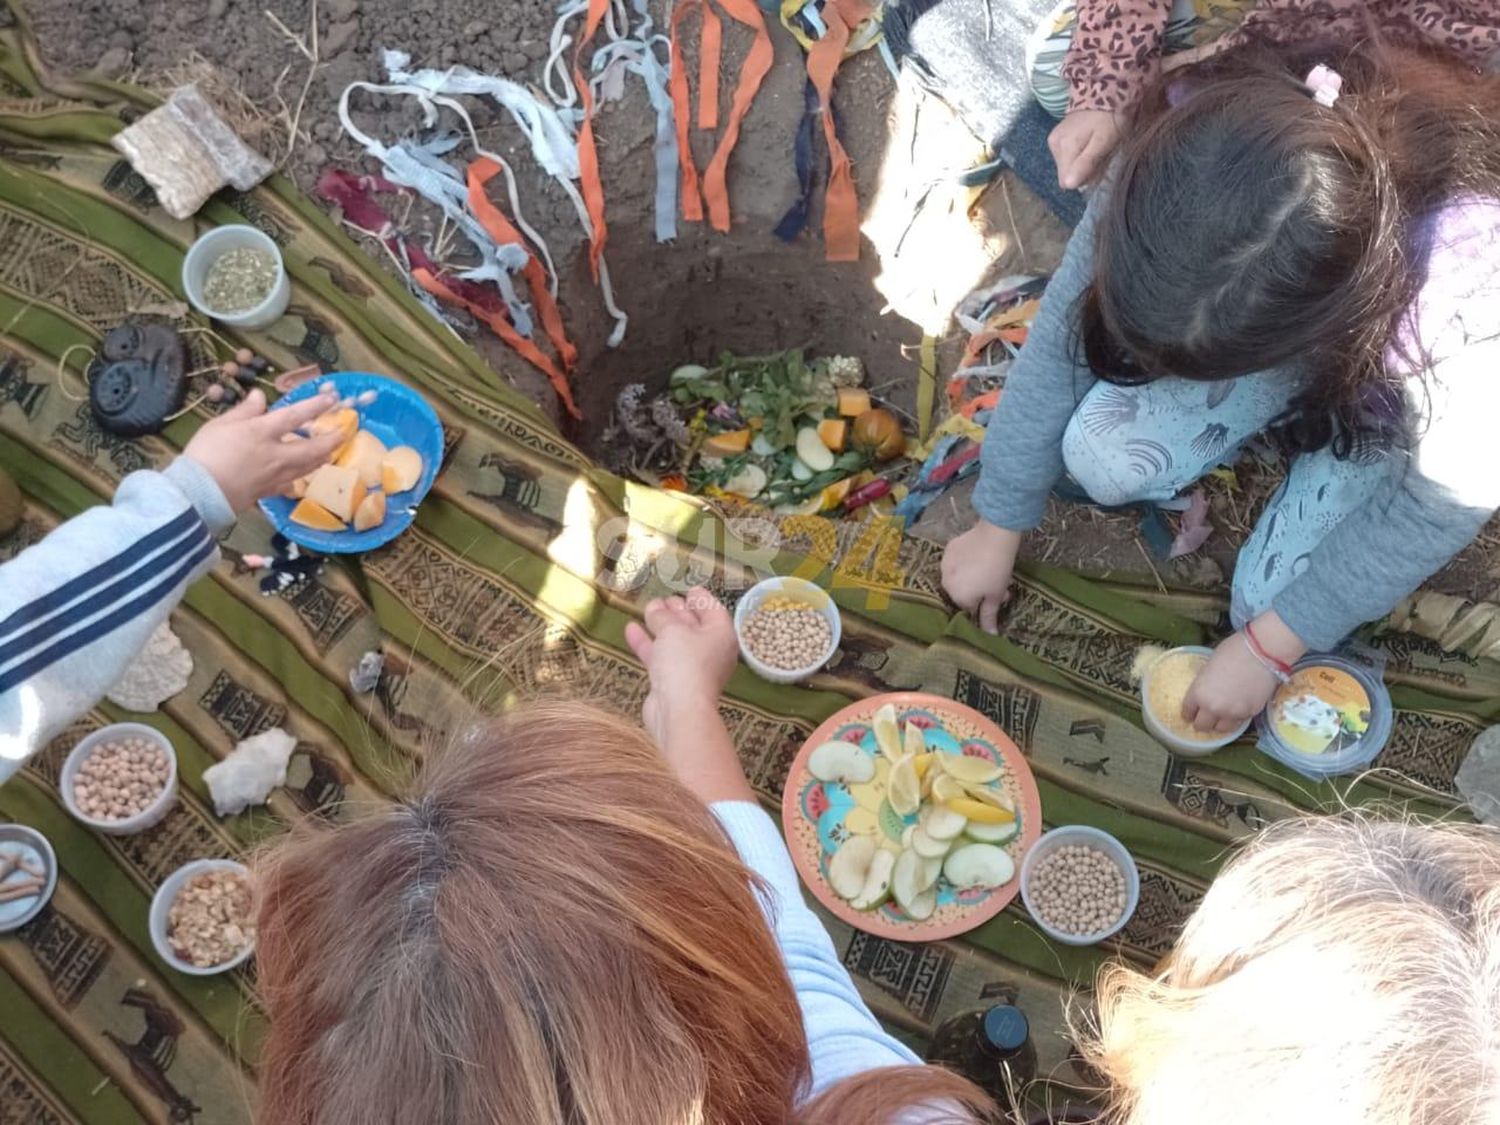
(850, 866)
(841, 761)
(911, 886)
(927, 847)
(877, 886)
(978, 865)
(942, 823)
(992, 833)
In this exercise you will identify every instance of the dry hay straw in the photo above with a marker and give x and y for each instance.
(269, 133)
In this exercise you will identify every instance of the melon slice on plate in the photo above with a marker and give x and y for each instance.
(309, 513)
(370, 513)
(364, 453)
(338, 489)
(400, 469)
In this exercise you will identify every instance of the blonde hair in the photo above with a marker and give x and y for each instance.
(1341, 970)
(551, 931)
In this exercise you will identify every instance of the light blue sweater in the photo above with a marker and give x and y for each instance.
(842, 1036)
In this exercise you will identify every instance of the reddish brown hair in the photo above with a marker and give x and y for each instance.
(1250, 226)
(551, 930)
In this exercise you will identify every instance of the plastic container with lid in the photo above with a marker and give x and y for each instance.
(1334, 717)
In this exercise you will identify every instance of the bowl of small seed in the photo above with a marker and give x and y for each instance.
(235, 274)
(1080, 884)
(121, 779)
(788, 628)
(202, 917)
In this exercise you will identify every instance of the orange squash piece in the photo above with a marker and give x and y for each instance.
(363, 453)
(371, 512)
(309, 513)
(727, 444)
(343, 420)
(337, 489)
(401, 469)
(853, 402)
(834, 431)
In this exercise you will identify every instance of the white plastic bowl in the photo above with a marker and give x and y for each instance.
(161, 906)
(14, 915)
(143, 820)
(1188, 748)
(1074, 834)
(206, 251)
(804, 591)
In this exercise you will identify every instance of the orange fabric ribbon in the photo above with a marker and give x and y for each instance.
(481, 172)
(588, 155)
(840, 202)
(757, 64)
(502, 327)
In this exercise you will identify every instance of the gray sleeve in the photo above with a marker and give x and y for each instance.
(1022, 454)
(1427, 514)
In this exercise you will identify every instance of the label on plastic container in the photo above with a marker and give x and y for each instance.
(1322, 710)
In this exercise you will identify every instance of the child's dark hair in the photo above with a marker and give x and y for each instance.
(1250, 226)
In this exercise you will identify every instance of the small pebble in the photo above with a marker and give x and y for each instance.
(1078, 890)
(121, 778)
(788, 635)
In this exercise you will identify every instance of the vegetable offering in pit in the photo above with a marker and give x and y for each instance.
(212, 920)
(955, 820)
(120, 779)
(787, 634)
(239, 280)
(1078, 890)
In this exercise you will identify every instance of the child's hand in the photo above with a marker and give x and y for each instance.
(1233, 687)
(689, 649)
(977, 569)
(1081, 143)
(243, 451)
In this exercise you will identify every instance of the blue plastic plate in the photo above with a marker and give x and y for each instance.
(398, 416)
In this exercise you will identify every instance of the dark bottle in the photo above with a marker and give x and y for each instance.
(991, 1047)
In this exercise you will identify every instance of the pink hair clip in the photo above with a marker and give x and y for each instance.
(1325, 83)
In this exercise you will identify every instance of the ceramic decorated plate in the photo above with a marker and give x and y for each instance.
(398, 416)
(820, 816)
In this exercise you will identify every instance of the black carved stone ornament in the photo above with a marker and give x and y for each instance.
(138, 379)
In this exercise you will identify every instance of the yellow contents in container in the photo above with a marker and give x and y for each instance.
(1167, 685)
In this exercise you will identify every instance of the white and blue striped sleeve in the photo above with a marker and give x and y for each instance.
(76, 607)
(843, 1037)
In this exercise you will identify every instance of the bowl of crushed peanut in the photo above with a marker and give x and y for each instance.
(203, 917)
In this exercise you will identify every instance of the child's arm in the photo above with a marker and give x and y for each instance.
(1022, 459)
(77, 607)
(1433, 504)
(1116, 49)
(689, 649)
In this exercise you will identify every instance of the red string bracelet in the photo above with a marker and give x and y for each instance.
(1278, 668)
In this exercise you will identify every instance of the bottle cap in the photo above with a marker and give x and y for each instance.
(1006, 1029)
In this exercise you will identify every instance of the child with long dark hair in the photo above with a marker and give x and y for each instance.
(1301, 241)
